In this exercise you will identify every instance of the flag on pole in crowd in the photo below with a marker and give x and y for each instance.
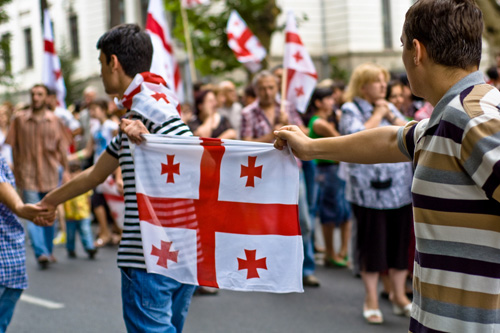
(51, 73)
(194, 3)
(245, 45)
(219, 213)
(301, 75)
(164, 63)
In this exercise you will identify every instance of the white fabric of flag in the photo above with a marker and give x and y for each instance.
(302, 76)
(194, 3)
(245, 45)
(164, 62)
(219, 213)
(51, 72)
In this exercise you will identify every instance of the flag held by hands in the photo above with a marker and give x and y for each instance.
(164, 62)
(245, 45)
(301, 75)
(51, 74)
(219, 213)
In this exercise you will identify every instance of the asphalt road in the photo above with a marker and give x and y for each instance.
(79, 295)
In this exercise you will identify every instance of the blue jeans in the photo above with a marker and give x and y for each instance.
(154, 303)
(83, 228)
(309, 266)
(41, 237)
(8, 300)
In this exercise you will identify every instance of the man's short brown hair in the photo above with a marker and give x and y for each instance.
(450, 30)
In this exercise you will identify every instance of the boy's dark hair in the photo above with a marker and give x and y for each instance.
(450, 30)
(100, 102)
(42, 86)
(492, 73)
(131, 46)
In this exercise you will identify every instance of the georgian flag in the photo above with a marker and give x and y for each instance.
(194, 3)
(244, 43)
(219, 213)
(302, 75)
(164, 63)
(51, 73)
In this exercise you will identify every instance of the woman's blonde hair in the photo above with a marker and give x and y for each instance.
(363, 74)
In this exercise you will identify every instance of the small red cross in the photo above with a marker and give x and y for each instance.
(251, 171)
(299, 91)
(164, 254)
(236, 23)
(57, 74)
(159, 96)
(298, 57)
(251, 264)
(170, 168)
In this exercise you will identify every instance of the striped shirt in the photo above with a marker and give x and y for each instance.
(456, 195)
(159, 118)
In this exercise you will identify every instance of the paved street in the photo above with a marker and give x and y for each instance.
(79, 295)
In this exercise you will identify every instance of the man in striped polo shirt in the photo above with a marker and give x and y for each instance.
(456, 154)
(151, 302)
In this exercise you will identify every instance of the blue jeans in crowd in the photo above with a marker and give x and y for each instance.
(154, 303)
(8, 299)
(41, 237)
(309, 266)
(83, 228)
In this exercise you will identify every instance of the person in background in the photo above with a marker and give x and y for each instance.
(207, 122)
(13, 276)
(249, 95)
(5, 116)
(395, 94)
(231, 109)
(39, 147)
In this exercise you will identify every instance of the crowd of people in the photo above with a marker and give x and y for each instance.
(46, 146)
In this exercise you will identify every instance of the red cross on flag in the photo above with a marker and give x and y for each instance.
(194, 3)
(164, 63)
(219, 213)
(301, 76)
(51, 73)
(245, 45)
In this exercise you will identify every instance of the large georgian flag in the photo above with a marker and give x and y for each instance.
(164, 63)
(219, 213)
(302, 76)
(245, 45)
(194, 3)
(51, 73)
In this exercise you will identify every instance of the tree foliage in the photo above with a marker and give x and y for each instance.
(207, 26)
(5, 53)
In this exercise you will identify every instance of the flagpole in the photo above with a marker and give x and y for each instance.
(189, 44)
(284, 79)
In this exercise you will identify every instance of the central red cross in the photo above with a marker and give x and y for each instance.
(299, 91)
(159, 96)
(242, 41)
(170, 168)
(298, 57)
(251, 264)
(212, 216)
(163, 253)
(251, 171)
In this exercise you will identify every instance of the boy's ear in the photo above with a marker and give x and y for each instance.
(114, 63)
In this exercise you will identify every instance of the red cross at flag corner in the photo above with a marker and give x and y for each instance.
(219, 213)
(301, 75)
(194, 3)
(51, 72)
(164, 62)
(245, 45)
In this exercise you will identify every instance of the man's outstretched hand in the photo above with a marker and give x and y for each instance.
(39, 214)
(134, 130)
(293, 137)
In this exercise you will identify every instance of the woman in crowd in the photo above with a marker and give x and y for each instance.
(333, 209)
(395, 94)
(379, 194)
(206, 121)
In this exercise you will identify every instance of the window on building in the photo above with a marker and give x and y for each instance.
(28, 47)
(116, 12)
(5, 53)
(75, 41)
(387, 23)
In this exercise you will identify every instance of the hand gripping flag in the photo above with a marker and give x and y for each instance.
(301, 76)
(219, 213)
(194, 3)
(51, 74)
(244, 43)
(164, 63)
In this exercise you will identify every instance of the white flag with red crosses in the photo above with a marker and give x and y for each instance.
(164, 62)
(194, 3)
(302, 76)
(51, 73)
(245, 45)
(219, 213)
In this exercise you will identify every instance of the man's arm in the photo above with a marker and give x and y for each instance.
(377, 145)
(84, 182)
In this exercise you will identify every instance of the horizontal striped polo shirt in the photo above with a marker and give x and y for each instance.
(456, 198)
